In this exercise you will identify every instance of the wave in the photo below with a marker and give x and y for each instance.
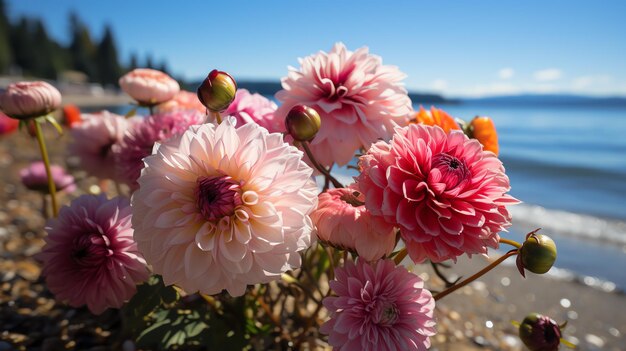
(569, 223)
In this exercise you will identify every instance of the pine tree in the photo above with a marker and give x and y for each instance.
(23, 46)
(134, 62)
(44, 64)
(81, 49)
(6, 53)
(108, 67)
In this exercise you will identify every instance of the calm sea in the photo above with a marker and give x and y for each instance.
(568, 166)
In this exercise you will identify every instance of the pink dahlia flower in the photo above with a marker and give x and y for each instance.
(139, 141)
(7, 124)
(34, 177)
(223, 207)
(93, 140)
(343, 221)
(446, 194)
(255, 108)
(184, 100)
(358, 98)
(90, 256)
(23, 100)
(378, 307)
(148, 86)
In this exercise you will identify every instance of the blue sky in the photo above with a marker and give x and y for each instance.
(459, 48)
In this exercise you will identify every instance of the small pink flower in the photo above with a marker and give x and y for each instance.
(255, 108)
(139, 141)
(222, 207)
(93, 140)
(148, 86)
(183, 101)
(90, 256)
(446, 194)
(343, 221)
(34, 177)
(7, 124)
(359, 100)
(378, 307)
(25, 100)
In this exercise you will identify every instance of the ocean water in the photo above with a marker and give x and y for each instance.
(568, 166)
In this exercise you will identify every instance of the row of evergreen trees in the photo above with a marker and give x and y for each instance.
(25, 45)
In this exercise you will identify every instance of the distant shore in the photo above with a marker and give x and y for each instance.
(96, 100)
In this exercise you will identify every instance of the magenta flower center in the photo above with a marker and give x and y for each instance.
(91, 249)
(453, 171)
(217, 197)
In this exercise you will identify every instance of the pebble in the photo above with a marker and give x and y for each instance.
(594, 340)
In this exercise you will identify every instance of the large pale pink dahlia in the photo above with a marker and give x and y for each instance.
(255, 108)
(343, 221)
(359, 100)
(93, 139)
(90, 256)
(446, 194)
(378, 307)
(223, 207)
(139, 141)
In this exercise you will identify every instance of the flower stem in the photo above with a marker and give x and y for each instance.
(477, 275)
(151, 109)
(218, 117)
(400, 256)
(319, 167)
(44, 155)
(510, 242)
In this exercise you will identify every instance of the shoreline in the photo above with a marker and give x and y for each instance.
(105, 100)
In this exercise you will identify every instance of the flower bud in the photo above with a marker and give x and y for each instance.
(24, 100)
(540, 333)
(303, 123)
(484, 130)
(537, 254)
(217, 91)
(149, 87)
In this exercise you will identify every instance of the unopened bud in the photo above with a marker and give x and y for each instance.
(303, 123)
(217, 91)
(540, 333)
(537, 254)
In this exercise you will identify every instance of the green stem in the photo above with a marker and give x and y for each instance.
(510, 242)
(479, 274)
(319, 167)
(44, 155)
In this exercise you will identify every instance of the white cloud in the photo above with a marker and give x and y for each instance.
(591, 82)
(546, 75)
(439, 85)
(506, 73)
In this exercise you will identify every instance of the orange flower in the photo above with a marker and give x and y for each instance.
(436, 117)
(483, 130)
(71, 115)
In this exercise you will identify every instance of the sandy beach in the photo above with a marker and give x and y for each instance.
(477, 317)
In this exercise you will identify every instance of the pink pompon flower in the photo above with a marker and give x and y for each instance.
(23, 100)
(359, 100)
(182, 101)
(93, 140)
(149, 86)
(140, 138)
(7, 124)
(34, 177)
(343, 222)
(255, 108)
(446, 194)
(222, 207)
(378, 307)
(90, 256)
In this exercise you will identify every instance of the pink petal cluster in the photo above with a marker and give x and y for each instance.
(343, 222)
(359, 100)
(93, 140)
(140, 138)
(24, 100)
(34, 177)
(90, 257)
(255, 108)
(7, 124)
(446, 194)
(148, 86)
(378, 307)
(184, 100)
(223, 207)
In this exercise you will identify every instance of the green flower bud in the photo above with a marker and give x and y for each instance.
(217, 91)
(303, 123)
(537, 254)
(540, 333)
